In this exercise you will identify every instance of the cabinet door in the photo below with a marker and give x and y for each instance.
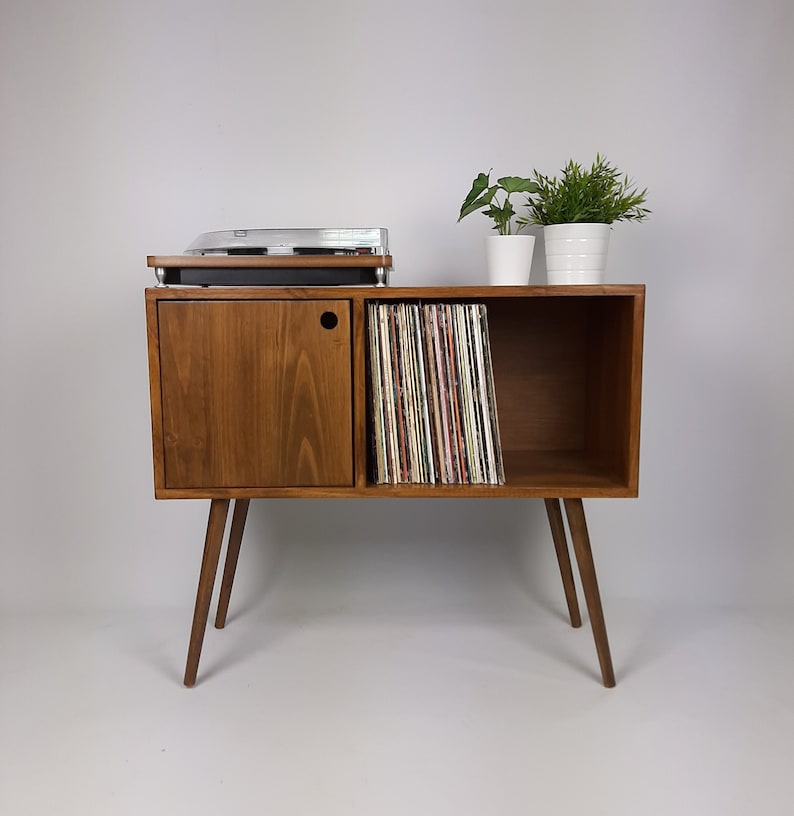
(256, 393)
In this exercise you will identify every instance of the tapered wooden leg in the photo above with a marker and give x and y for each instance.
(563, 559)
(209, 566)
(232, 554)
(584, 557)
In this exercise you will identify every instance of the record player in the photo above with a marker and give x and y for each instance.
(280, 257)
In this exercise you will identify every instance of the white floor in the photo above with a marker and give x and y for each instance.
(412, 712)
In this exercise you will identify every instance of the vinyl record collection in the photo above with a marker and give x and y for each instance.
(433, 404)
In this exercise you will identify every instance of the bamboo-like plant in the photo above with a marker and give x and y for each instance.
(600, 195)
(482, 196)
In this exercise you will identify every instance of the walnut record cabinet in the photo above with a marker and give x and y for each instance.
(262, 392)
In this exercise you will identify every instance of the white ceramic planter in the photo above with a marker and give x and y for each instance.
(576, 253)
(509, 259)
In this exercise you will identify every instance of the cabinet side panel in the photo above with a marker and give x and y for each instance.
(256, 394)
(155, 395)
(635, 409)
(615, 353)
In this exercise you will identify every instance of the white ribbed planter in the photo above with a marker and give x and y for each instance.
(509, 259)
(576, 253)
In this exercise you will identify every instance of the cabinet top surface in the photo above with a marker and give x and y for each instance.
(386, 292)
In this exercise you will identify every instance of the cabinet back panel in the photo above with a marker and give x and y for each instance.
(539, 355)
(255, 393)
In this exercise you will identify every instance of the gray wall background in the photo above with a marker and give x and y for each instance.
(127, 128)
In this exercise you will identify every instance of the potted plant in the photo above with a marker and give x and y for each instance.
(509, 254)
(576, 212)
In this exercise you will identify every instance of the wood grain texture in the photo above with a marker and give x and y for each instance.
(251, 397)
(574, 510)
(611, 369)
(567, 366)
(268, 261)
(361, 446)
(209, 567)
(393, 293)
(155, 393)
(632, 463)
(563, 560)
(255, 393)
(539, 350)
(547, 489)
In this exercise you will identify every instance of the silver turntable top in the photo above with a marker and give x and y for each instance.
(324, 241)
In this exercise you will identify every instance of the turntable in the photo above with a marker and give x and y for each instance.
(280, 257)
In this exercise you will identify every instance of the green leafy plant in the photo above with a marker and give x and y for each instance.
(600, 195)
(483, 197)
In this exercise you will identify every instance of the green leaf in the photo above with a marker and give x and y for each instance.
(516, 184)
(473, 206)
(479, 184)
(598, 192)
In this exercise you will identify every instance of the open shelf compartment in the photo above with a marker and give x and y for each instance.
(567, 374)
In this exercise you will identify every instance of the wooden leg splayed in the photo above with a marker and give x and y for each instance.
(584, 558)
(564, 560)
(232, 554)
(209, 567)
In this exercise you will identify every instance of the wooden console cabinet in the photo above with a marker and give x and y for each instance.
(262, 392)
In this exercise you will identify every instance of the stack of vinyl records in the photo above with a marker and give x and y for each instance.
(433, 404)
